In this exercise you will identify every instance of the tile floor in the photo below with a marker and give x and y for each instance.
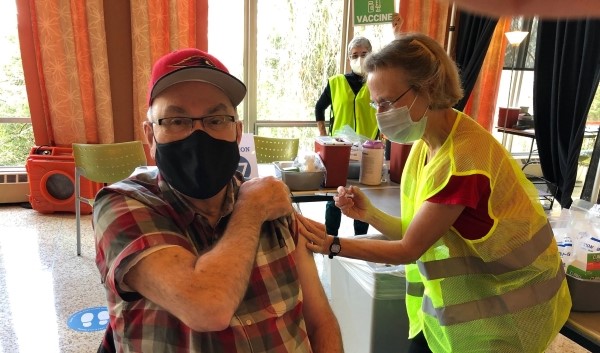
(45, 286)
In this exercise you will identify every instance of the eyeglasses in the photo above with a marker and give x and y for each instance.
(387, 105)
(356, 56)
(181, 126)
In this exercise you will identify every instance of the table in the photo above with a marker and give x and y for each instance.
(529, 133)
(590, 132)
(387, 193)
(584, 329)
(546, 189)
(327, 194)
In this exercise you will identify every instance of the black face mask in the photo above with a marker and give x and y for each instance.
(198, 166)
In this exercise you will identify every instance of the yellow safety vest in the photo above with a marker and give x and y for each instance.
(505, 292)
(352, 110)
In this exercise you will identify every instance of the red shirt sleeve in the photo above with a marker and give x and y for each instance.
(473, 192)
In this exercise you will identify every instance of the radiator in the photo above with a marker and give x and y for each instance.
(14, 187)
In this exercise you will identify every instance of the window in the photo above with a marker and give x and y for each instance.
(522, 60)
(516, 82)
(519, 63)
(297, 50)
(226, 36)
(16, 133)
(594, 113)
(291, 49)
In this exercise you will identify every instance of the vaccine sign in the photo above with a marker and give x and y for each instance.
(248, 166)
(367, 12)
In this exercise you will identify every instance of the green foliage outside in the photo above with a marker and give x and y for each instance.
(16, 139)
(594, 113)
(299, 48)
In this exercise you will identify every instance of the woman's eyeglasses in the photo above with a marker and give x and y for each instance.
(384, 106)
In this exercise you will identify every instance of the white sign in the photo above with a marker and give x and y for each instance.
(248, 165)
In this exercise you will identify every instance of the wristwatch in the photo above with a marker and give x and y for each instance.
(335, 247)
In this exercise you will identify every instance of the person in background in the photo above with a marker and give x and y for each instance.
(349, 99)
(483, 270)
(190, 264)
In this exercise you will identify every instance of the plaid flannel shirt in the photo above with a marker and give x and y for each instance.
(143, 212)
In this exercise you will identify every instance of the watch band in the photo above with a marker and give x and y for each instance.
(335, 247)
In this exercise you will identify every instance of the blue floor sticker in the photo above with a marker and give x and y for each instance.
(89, 319)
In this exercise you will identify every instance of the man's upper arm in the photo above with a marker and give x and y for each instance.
(321, 324)
(124, 228)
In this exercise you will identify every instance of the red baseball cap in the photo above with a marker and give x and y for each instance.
(193, 64)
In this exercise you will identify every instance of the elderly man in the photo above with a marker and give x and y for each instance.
(193, 258)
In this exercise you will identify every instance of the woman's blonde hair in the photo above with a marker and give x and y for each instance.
(429, 70)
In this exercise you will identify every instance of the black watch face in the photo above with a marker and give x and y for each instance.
(335, 247)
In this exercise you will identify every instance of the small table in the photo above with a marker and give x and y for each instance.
(590, 132)
(584, 329)
(529, 133)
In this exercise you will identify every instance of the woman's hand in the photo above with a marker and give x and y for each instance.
(353, 202)
(315, 233)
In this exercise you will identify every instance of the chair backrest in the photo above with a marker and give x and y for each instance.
(272, 149)
(108, 163)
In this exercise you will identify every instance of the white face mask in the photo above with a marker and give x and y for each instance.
(397, 125)
(356, 65)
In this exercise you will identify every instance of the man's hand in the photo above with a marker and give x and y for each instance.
(269, 196)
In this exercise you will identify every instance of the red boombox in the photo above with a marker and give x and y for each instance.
(51, 174)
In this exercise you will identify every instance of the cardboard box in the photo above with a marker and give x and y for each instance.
(576, 272)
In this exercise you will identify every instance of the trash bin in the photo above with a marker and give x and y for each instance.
(398, 155)
(368, 301)
(335, 154)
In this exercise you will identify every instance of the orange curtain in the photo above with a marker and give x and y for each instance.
(432, 18)
(426, 16)
(159, 27)
(70, 63)
(482, 102)
(73, 64)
